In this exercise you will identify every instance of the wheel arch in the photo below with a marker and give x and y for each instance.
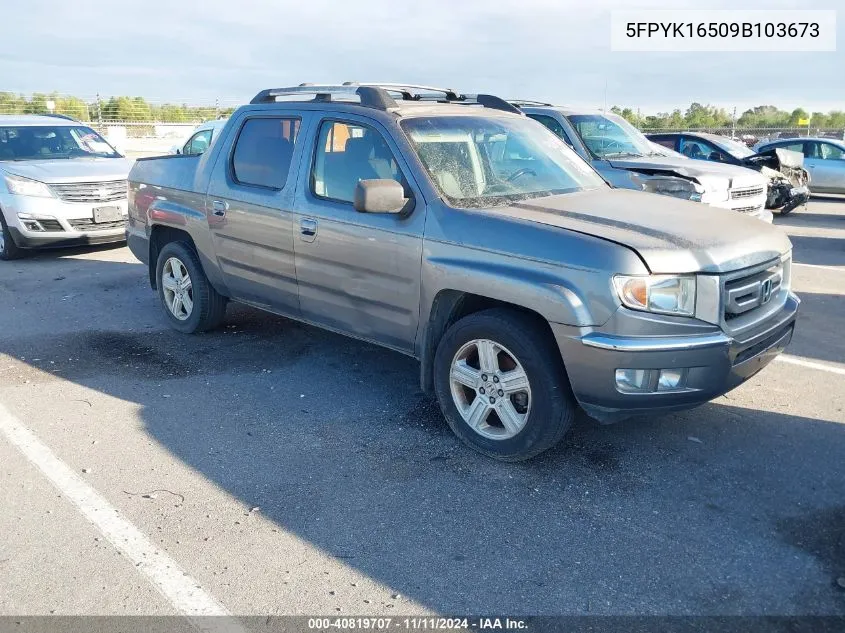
(161, 234)
(448, 307)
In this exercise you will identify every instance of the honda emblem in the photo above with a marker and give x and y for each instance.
(765, 291)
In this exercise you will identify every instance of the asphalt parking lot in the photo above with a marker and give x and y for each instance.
(280, 469)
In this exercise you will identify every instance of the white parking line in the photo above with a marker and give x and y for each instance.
(793, 360)
(838, 269)
(183, 591)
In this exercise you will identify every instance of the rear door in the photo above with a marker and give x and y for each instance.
(249, 209)
(358, 273)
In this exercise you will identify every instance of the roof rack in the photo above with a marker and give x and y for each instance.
(381, 95)
(527, 102)
(409, 92)
(412, 92)
(370, 97)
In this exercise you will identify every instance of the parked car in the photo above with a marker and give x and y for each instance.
(824, 158)
(200, 139)
(625, 158)
(788, 181)
(455, 230)
(61, 184)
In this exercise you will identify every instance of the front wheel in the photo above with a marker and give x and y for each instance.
(501, 386)
(189, 301)
(8, 249)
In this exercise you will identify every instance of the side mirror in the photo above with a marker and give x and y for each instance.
(379, 196)
(178, 150)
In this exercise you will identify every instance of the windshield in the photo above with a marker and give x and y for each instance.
(47, 142)
(483, 162)
(732, 147)
(611, 136)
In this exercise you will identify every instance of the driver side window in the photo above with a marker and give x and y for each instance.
(698, 149)
(553, 125)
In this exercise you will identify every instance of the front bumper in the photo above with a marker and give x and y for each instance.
(714, 362)
(53, 223)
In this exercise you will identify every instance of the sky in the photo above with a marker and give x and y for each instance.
(551, 50)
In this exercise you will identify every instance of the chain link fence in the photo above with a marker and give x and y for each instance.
(141, 126)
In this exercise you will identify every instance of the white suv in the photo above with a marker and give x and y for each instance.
(627, 159)
(61, 184)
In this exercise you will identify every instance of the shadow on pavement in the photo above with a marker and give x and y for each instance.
(818, 250)
(817, 335)
(726, 508)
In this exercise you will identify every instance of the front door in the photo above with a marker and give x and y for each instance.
(358, 273)
(826, 164)
(249, 208)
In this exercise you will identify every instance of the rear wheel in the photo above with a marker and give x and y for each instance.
(189, 301)
(8, 249)
(501, 386)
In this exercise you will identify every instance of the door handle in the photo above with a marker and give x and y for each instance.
(219, 207)
(308, 229)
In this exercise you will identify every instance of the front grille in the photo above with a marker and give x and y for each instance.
(50, 225)
(107, 191)
(747, 192)
(87, 224)
(752, 295)
(754, 209)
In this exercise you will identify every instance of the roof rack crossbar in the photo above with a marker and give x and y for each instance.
(370, 96)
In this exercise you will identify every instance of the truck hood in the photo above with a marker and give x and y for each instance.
(70, 170)
(670, 235)
(711, 176)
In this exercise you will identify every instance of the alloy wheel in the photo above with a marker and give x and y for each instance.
(490, 389)
(178, 289)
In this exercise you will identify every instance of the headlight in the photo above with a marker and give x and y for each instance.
(27, 187)
(664, 294)
(675, 187)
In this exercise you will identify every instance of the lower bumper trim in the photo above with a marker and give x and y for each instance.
(653, 343)
(60, 240)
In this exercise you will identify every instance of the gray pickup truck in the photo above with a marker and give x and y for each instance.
(454, 229)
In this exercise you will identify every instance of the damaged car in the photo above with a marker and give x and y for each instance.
(788, 180)
(627, 159)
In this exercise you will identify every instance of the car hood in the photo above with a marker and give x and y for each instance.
(670, 235)
(70, 170)
(710, 175)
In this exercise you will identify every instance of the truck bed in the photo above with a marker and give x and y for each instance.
(172, 172)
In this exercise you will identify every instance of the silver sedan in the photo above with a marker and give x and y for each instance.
(824, 158)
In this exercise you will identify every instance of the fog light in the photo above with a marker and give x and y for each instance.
(33, 226)
(670, 379)
(632, 379)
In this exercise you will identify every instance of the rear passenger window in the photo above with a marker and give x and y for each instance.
(347, 153)
(263, 152)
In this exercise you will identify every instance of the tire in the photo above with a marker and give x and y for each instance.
(207, 306)
(8, 249)
(517, 337)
